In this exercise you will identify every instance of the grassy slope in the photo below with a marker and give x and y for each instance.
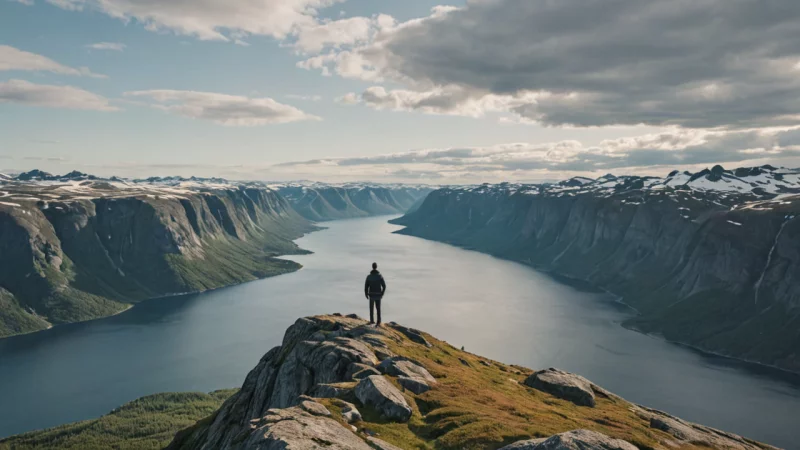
(477, 406)
(147, 423)
(14, 319)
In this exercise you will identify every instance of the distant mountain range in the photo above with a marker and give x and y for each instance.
(76, 247)
(710, 259)
(321, 202)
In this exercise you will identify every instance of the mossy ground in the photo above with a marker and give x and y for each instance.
(147, 423)
(483, 404)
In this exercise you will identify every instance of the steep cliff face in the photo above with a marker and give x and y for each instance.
(707, 267)
(77, 250)
(320, 202)
(339, 383)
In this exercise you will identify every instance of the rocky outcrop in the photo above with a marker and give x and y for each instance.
(87, 248)
(573, 440)
(466, 406)
(288, 428)
(718, 270)
(321, 202)
(414, 384)
(686, 432)
(377, 392)
(563, 385)
(398, 366)
(320, 357)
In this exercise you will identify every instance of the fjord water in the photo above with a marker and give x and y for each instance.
(495, 308)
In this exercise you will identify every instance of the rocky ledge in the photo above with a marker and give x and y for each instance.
(338, 383)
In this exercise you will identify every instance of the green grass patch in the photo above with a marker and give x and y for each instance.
(147, 423)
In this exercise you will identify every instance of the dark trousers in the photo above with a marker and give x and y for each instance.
(375, 302)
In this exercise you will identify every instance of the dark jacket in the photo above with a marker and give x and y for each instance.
(375, 286)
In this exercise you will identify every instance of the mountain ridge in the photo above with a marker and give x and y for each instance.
(708, 265)
(339, 381)
(77, 247)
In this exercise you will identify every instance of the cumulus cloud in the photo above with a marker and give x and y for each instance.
(688, 63)
(230, 110)
(27, 93)
(15, 59)
(673, 148)
(316, 37)
(449, 101)
(225, 20)
(113, 46)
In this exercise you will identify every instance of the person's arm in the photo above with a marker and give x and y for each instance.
(366, 288)
(383, 286)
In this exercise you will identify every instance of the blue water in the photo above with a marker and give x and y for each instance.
(496, 308)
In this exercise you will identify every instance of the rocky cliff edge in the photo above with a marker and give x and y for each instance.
(338, 383)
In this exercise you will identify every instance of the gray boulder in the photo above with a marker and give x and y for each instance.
(687, 433)
(563, 385)
(332, 390)
(377, 392)
(573, 440)
(315, 408)
(349, 411)
(414, 384)
(399, 366)
(414, 335)
(358, 371)
(292, 427)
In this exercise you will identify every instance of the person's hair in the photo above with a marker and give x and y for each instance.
(374, 265)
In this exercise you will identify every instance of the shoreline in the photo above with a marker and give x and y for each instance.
(299, 251)
(565, 279)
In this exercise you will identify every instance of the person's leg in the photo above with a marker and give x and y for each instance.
(371, 306)
(378, 307)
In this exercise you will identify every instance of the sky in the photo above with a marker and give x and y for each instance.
(398, 90)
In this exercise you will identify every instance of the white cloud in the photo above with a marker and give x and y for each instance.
(225, 20)
(340, 33)
(27, 93)
(670, 149)
(689, 63)
(230, 110)
(14, 59)
(113, 46)
(24, 2)
(451, 100)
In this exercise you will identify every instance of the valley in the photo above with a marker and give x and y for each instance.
(709, 259)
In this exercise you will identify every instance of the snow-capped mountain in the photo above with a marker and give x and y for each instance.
(710, 259)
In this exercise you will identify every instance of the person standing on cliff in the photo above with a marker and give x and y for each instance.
(374, 289)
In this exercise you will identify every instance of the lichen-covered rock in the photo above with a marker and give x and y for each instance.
(338, 390)
(414, 335)
(315, 408)
(293, 428)
(358, 371)
(298, 367)
(377, 392)
(687, 433)
(349, 411)
(563, 385)
(399, 366)
(414, 384)
(573, 440)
